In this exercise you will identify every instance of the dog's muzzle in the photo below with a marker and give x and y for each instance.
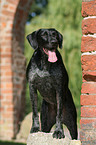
(51, 55)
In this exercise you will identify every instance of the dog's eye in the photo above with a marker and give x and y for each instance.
(44, 35)
(53, 34)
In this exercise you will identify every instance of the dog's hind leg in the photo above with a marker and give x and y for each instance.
(70, 116)
(72, 126)
(48, 116)
(33, 97)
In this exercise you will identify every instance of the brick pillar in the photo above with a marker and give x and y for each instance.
(88, 60)
(13, 16)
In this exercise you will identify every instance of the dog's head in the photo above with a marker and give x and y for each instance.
(46, 39)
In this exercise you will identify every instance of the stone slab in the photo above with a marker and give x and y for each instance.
(41, 138)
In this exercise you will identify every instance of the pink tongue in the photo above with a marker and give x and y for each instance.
(52, 56)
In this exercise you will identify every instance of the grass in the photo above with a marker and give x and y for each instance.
(10, 143)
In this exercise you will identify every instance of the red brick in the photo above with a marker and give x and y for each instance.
(88, 88)
(88, 112)
(89, 26)
(11, 26)
(7, 91)
(88, 100)
(13, 2)
(1, 122)
(7, 115)
(6, 79)
(89, 8)
(4, 43)
(7, 103)
(9, 73)
(12, 7)
(88, 62)
(10, 109)
(3, 25)
(9, 85)
(2, 85)
(89, 76)
(1, 109)
(6, 55)
(7, 67)
(88, 123)
(8, 60)
(88, 44)
(88, 137)
(1, 97)
(5, 6)
(9, 97)
(7, 13)
(8, 37)
(6, 49)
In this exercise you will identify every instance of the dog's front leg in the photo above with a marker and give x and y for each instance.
(33, 96)
(59, 133)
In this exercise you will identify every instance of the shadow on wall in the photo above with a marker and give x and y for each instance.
(19, 61)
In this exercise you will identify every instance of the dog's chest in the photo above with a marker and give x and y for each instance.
(44, 82)
(43, 74)
(44, 78)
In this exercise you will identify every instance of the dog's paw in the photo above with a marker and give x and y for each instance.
(58, 134)
(34, 129)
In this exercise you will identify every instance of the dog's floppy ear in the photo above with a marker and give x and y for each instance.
(60, 37)
(32, 39)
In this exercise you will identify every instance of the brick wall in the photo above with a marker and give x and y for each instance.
(13, 15)
(88, 60)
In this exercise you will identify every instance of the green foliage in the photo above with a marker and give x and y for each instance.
(65, 16)
(10, 143)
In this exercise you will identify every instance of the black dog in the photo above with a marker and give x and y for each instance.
(47, 74)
